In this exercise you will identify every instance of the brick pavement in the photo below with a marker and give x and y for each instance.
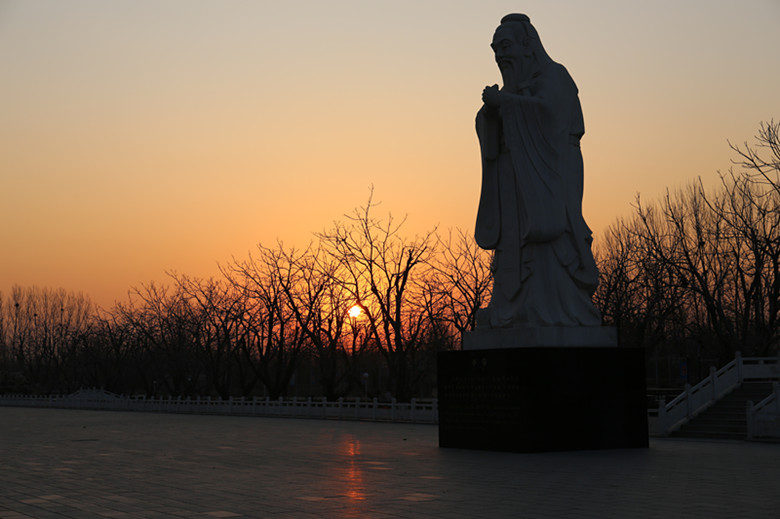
(98, 464)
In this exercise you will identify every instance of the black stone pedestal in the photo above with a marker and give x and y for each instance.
(542, 399)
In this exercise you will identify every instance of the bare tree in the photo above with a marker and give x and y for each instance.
(459, 280)
(761, 162)
(378, 267)
(272, 338)
(750, 208)
(113, 357)
(44, 330)
(216, 308)
(164, 336)
(321, 307)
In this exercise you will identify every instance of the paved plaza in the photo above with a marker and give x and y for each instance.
(95, 464)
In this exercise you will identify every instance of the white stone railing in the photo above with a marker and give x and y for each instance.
(696, 399)
(416, 411)
(763, 418)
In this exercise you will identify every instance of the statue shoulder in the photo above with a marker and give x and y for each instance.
(556, 83)
(558, 73)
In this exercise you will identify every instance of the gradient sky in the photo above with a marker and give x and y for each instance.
(143, 136)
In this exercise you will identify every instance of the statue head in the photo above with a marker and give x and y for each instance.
(518, 50)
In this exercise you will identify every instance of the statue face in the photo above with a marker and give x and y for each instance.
(510, 54)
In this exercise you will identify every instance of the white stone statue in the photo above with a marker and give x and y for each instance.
(530, 208)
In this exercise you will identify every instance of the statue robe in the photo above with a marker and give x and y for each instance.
(530, 209)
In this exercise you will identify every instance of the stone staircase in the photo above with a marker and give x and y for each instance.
(726, 418)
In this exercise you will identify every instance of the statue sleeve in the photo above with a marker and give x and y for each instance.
(488, 227)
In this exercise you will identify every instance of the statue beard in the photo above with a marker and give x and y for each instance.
(517, 73)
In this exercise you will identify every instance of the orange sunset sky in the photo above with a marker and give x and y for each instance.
(143, 136)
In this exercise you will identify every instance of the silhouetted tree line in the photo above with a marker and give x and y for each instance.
(274, 324)
(694, 276)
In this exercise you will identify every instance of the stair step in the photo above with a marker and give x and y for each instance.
(717, 419)
(710, 435)
(724, 416)
(691, 432)
(714, 426)
(698, 428)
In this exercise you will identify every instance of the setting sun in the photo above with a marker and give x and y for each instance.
(355, 311)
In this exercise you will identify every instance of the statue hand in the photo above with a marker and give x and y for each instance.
(491, 96)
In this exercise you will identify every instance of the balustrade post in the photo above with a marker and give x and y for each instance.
(713, 380)
(738, 359)
(662, 417)
(688, 410)
(749, 419)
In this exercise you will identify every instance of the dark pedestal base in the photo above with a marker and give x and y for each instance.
(542, 399)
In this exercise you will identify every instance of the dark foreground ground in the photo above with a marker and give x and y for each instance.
(91, 464)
